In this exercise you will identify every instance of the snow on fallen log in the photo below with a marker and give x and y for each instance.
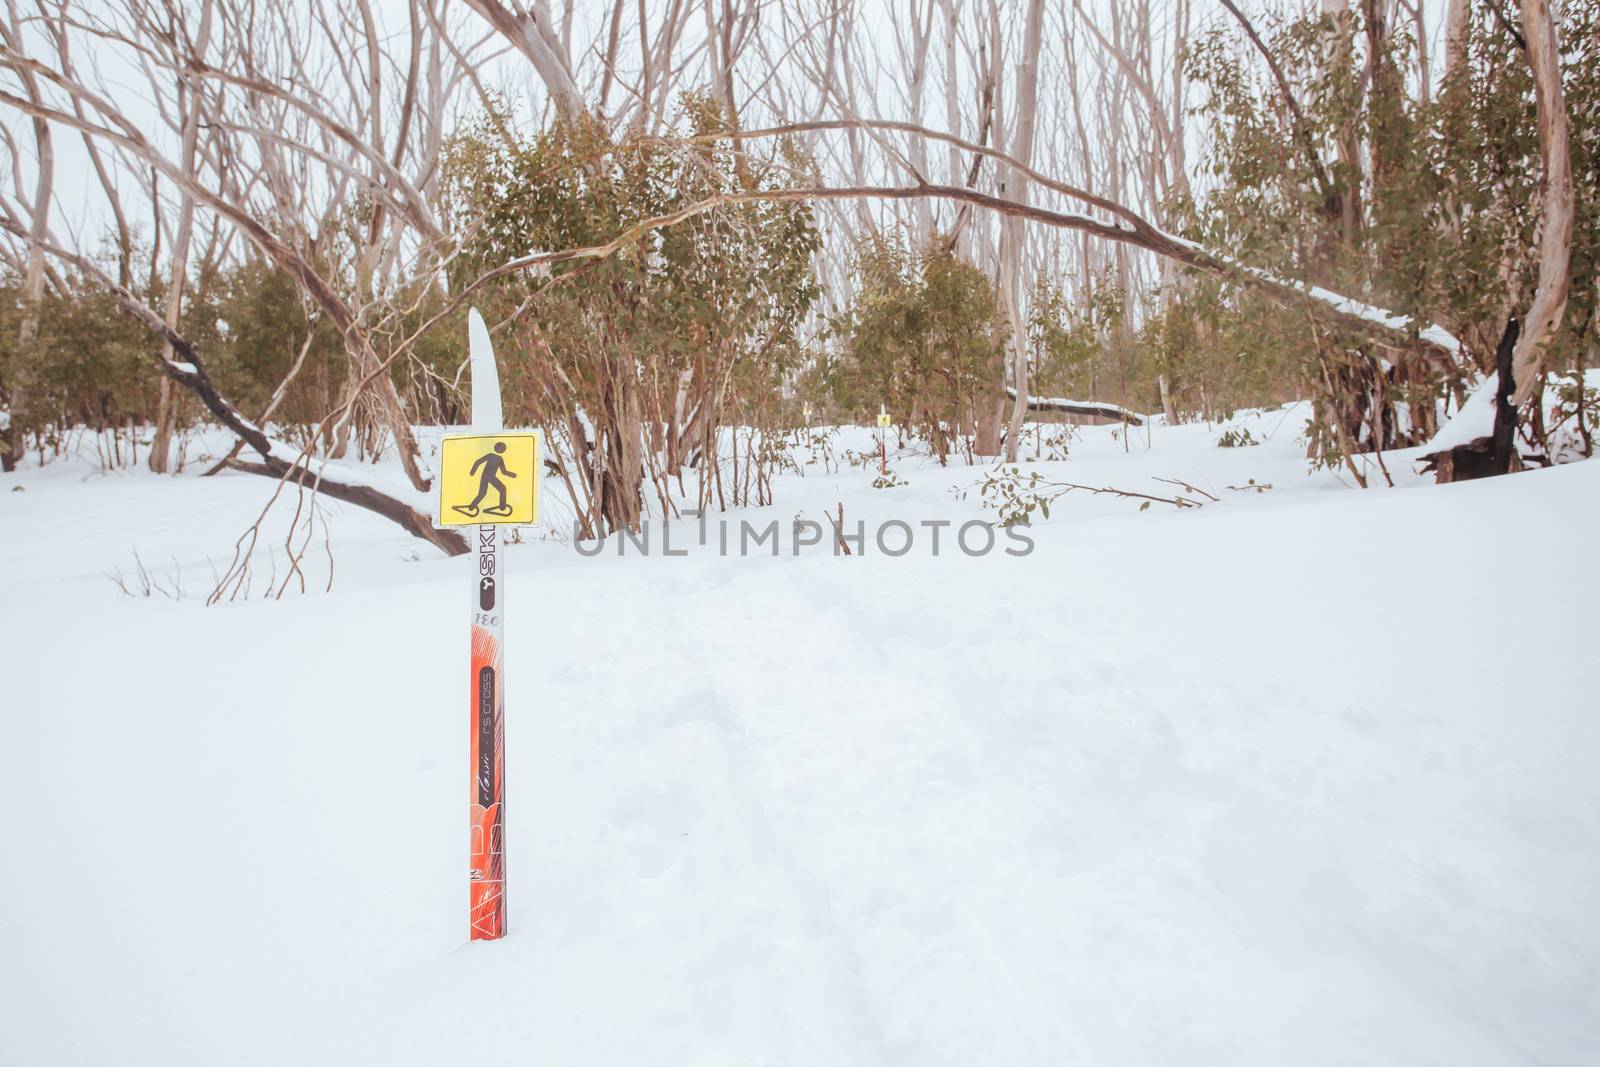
(1093, 409)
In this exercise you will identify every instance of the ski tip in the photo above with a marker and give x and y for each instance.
(477, 330)
(485, 375)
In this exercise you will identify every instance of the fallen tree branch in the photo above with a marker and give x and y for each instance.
(1132, 229)
(363, 496)
(1187, 488)
(1016, 496)
(277, 398)
(1346, 311)
(128, 136)
(278, 460)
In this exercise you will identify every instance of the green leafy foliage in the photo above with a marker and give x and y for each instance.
(683, 329)
(922, 336)
(1424, 204)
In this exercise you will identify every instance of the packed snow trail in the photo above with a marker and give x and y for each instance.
(1266, 783)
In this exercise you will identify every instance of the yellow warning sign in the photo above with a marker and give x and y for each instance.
(489, 478)
(884, 420)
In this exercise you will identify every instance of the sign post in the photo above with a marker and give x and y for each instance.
(487, 479)
(883, 440)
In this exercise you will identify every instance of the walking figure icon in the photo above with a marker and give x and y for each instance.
(489, 467)
(488, 479)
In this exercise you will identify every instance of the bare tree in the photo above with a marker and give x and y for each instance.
(284, 122)
(1012, 234)
(12, 445)
(532, 33)
(188, 106)
(308, 136)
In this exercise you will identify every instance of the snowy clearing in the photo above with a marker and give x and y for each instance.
(1160, 792)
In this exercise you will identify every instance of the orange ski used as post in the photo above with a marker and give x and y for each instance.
(487, 479)
(487, 862)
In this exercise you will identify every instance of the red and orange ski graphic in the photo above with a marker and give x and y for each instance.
(488, 855)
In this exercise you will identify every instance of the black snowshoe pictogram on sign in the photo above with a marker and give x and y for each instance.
(489, 467)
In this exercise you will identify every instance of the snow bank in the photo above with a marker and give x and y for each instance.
(1227, 786)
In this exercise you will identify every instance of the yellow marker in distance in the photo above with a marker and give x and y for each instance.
(883, 417)
(489, 479)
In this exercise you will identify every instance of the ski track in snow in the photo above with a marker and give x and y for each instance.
(1255, 784)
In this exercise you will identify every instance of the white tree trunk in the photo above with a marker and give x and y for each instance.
(12, 445)
(1013, 233)
(178, 276)
(1457, 20)
(1555, 238)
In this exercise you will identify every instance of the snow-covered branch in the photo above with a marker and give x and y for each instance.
(1125, 226)
(1092, 409)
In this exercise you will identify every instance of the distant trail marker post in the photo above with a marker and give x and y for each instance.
(884, 422)
(487, 479)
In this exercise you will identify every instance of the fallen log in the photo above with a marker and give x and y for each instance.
(1089, 409)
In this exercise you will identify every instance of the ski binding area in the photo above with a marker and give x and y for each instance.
(1299, 776)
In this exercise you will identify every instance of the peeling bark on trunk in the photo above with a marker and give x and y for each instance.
(1555, 238)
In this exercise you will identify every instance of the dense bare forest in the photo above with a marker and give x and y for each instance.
(823, 533)
(692, 223)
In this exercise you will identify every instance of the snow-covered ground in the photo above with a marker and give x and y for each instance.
(1300, 777)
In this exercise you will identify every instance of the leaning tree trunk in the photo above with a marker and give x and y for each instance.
(1555, 239)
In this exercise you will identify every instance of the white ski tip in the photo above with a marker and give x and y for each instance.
(485, 374)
